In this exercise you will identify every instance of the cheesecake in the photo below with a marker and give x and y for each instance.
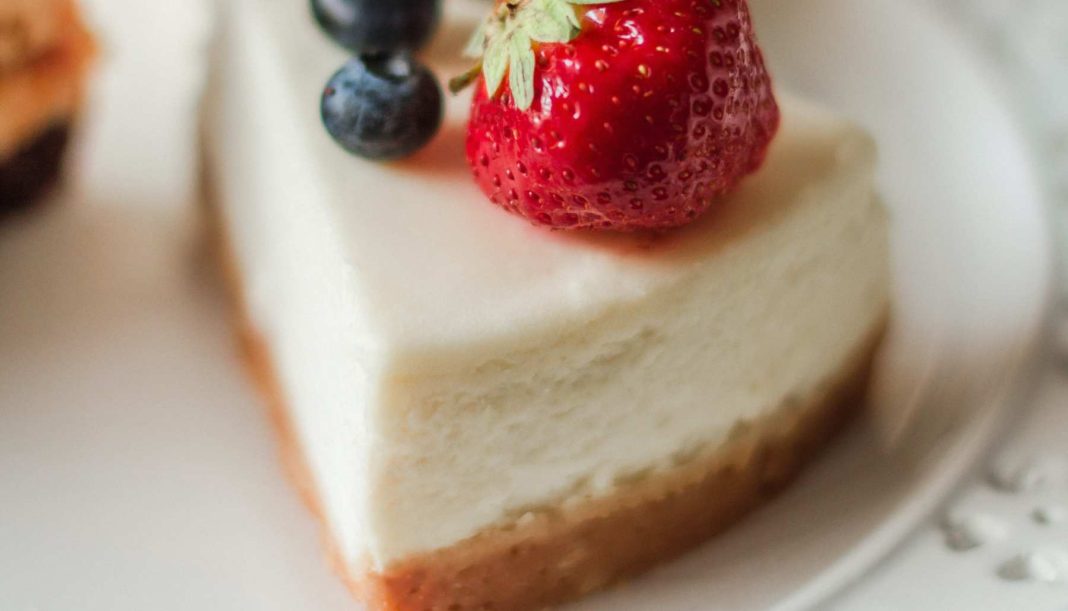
(45, 53)
(489, 415)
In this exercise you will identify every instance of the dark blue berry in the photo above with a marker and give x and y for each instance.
(382, 106)
(373, 26)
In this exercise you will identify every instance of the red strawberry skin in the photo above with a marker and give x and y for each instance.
(656, 108)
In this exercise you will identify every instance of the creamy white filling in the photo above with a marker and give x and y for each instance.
(448, 367)
(299, 292)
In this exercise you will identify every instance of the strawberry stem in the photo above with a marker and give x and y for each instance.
(463, 81)
(504, 43)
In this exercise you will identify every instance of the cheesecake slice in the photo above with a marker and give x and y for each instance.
(45, 52)
(489, 415)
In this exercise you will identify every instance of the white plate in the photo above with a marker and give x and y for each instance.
(137, 467)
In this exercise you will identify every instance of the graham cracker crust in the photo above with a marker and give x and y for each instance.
(552, 558)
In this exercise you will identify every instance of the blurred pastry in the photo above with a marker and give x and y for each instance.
(45, 52)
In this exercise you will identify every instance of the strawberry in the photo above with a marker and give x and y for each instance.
(617, 114)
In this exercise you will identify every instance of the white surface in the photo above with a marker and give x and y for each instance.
(927, 574)
(1027, 41)
(559, 355)
(137, 470)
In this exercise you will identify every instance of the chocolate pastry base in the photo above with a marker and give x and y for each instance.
(34, 169)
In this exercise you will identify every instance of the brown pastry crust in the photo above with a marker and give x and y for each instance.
(28, 28)
(34, 169)
(46, 90)
(555, 557)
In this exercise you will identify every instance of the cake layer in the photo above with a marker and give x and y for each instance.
(554, 557)
(46, 91)
(550, 557)
(450, 371)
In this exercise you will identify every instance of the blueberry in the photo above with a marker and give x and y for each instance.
(382, 106)
(372, 26)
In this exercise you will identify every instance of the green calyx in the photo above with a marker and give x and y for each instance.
(504, 43)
